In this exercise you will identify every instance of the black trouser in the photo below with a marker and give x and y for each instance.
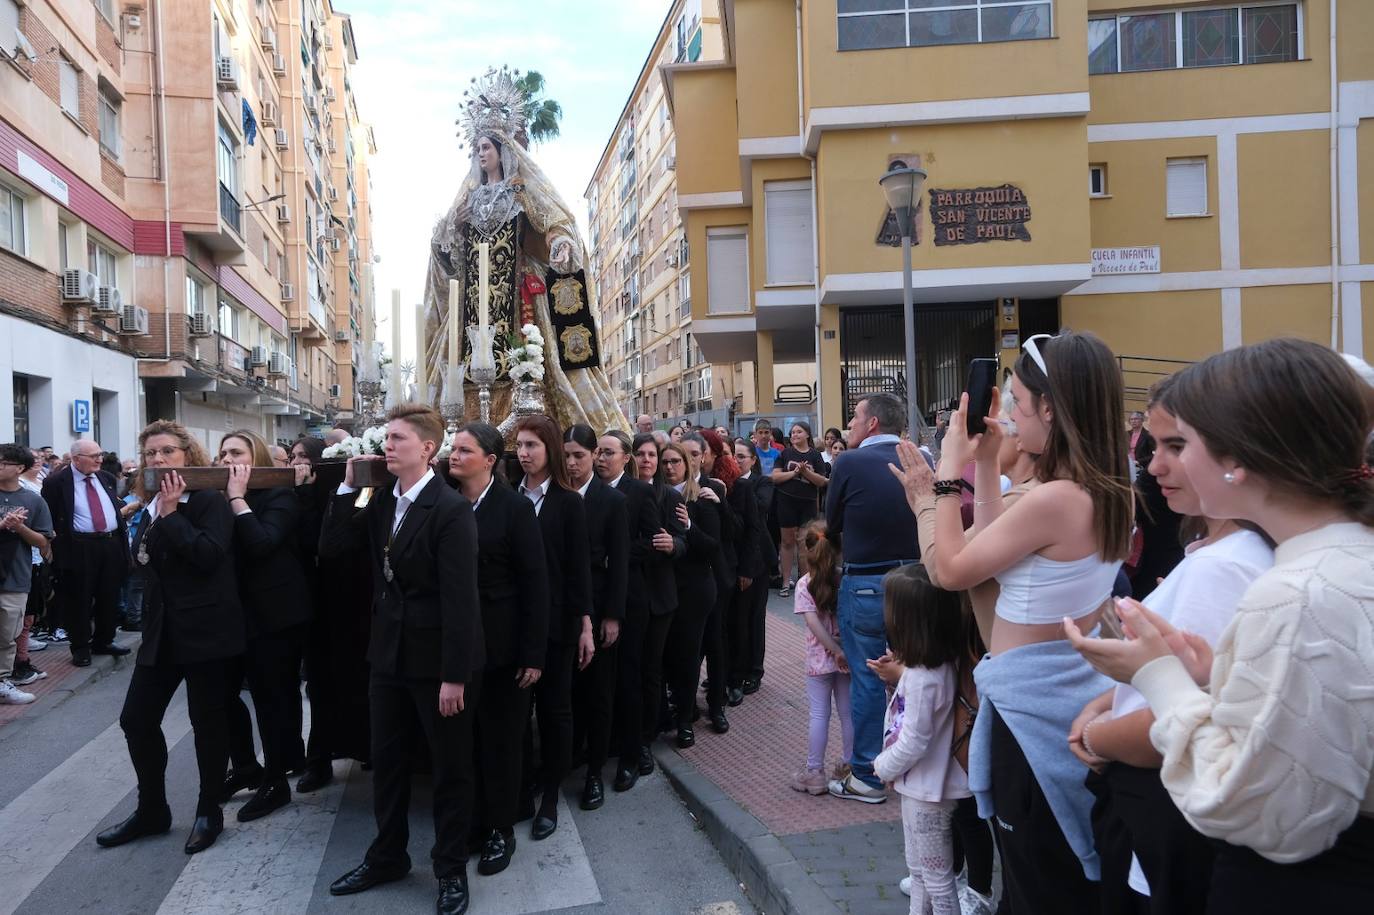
(272, 664)
(746, 622)
(629, 687)
(553, 709)
(684, 649)
(404, 710)
(973, 845)
(150, 692)
(500, 738)
(594, 704)
(714, 648)
(336, 685)
(1340, 879)
(654, 662)
(1134, 813)
(88, 585)
(1040, 872)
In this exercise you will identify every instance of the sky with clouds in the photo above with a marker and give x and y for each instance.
(415, 57)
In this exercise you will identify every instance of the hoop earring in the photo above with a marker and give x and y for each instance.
(1229, 477)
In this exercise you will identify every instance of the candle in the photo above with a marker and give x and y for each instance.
(421, 357)
(397, 395)
(455, 321)
(484, 287)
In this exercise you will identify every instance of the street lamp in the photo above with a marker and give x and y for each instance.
(902, 186)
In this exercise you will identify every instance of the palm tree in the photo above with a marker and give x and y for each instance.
(543, 113)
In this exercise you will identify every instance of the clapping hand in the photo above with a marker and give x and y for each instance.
(14, 520)
(888, 668)
(917, 479)
(1148, 636)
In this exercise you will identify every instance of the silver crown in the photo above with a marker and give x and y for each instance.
(493, 104)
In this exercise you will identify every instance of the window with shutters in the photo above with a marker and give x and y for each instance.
(71, 87)
(727, 267)
(1187, 187)
(9, 27)
(787, 229)
(109, 121)
(13, 234)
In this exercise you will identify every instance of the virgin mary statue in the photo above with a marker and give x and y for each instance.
(507, 208)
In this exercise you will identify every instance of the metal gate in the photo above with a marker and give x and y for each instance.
(873, 351)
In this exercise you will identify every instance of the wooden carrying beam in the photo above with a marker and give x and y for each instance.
(218, 477)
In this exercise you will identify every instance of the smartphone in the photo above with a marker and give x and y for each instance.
(981, 387)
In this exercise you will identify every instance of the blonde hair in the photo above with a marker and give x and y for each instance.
(691, 489)
(262, 455)
(196, 455)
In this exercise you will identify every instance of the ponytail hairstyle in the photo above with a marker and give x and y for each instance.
(490, 440)
(1087, 440)
(820, 559)
(1290, 411)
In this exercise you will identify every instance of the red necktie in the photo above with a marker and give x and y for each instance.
(97, 512)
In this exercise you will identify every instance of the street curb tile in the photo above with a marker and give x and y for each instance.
(770, 874)
(66, 684)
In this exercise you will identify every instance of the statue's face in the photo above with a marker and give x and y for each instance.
(488, 159)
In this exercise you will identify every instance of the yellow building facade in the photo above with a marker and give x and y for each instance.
(1176, 177)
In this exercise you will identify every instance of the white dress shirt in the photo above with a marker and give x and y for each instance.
(81, 509)
(406, 499)
(615, 484)
(582, 490)
(536, 494)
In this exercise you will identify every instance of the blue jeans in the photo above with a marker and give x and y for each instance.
(863, 636)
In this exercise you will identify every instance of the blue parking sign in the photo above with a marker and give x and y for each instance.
(81, 416)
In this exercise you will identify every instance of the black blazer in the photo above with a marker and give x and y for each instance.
(697, 580)
(763, 497)
(60, 496)
(608, 537)
(191, 607)
(563, 521)
(744, 504)
(267, 553)
(726, 561)
(512, 579)
(661, 572)
(641, 519)
(426, 624)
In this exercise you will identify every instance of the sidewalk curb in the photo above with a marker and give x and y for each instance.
(772, 877)
(71, 684)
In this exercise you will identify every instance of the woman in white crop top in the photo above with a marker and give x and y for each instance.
(1269, 744)
(1054, 552)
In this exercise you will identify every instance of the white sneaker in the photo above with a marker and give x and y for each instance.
(905, 885)
(59, 635)
(13, 695)
(972, 902)
(852, 788)
(36, 644)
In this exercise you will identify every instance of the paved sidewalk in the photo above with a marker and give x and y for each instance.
(64, 678)
(793, 852)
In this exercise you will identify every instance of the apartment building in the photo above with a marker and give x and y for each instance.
(1177, 177)
(641, 261)
(184, 236)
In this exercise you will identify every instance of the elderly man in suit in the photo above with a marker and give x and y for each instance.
(90, 551)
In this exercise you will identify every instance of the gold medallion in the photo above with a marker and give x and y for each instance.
(567, 296)
(577, 343)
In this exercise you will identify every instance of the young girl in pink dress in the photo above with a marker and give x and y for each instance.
(827, 672)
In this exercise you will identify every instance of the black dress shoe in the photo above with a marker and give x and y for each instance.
(316, 776)
(81, 658)
(751, 685)
(625, 778)
(273, 795)
(453, 896)
(646, 761)
(117, 651)
(364, 877)
(734, 697)
(496, 853)
(204, 831)
(136, 826)
(544, 825)
(686, 737)
(239, 779)
(719, 723)
(593, 793)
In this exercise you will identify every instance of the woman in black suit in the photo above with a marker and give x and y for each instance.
(747, 637)
(193, 628)
(512, 582)
(609, 542)
(719, 477)
(278, 607)
(696, 584)
(563, 522)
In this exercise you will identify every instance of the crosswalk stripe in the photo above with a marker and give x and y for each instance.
(42, 825)
(542, 877)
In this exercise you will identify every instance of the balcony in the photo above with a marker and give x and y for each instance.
(229, 209)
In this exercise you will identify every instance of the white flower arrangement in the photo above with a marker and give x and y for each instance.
(526, 359)
(370, 442)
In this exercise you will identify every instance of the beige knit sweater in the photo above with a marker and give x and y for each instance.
(1276, 755)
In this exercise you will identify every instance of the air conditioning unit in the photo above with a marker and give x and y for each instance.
(269, 113)
(671, 258)
(671, 164)
(333, 147)
(282, 139)
(328, 40)
(279, 64)
(78, 285)
(133, 320)
(327, 234)
(336, 390)
(279, 364)
(257, 356)
(329, 95)
(107, 301)
(335, 244)
(283, 212)
(288, 292)
(269, 38)
(227, 73)
(340, 336)
(334, 194)
(202, 325)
